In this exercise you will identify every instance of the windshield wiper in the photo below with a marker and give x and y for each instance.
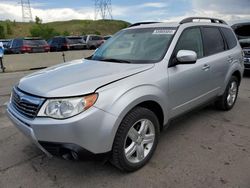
(115, 60)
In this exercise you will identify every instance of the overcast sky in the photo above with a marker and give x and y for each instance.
(131, 10)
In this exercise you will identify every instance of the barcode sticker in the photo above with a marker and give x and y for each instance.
(163, 32)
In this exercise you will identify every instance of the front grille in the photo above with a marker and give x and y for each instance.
(26, 104)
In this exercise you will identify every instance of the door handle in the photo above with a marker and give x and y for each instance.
(206, 67)
(230, 59)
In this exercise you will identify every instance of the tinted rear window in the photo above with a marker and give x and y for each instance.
(34, 42)
(59, 40)
(230, 38)
(75, 40)
(96, 38)
(213, 41)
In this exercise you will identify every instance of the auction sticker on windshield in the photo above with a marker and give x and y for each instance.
(163, 32)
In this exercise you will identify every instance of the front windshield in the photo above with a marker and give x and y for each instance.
(144, 45)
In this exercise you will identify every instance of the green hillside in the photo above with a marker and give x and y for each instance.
(72, 27)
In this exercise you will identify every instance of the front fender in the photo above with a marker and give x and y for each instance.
(119, 102)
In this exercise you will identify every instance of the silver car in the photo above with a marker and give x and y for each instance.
(117, 101)
(93, 41)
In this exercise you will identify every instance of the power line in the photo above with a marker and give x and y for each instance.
(26, 11)
(103, 8)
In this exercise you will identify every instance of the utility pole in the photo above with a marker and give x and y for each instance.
(103, 8)
(26, 11)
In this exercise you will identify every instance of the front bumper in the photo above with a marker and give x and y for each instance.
(94, 130)
(27, 131)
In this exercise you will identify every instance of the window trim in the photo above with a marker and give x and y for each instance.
(235, 38)
(225, 44)
(174, 53)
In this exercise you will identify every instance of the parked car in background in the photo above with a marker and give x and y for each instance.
(107, 37)
(8, 46)
(29, 45)
(242, 30)
(5, 42)
(62, 43)
(93, 41)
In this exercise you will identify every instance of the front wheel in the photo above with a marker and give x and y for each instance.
(228, 99)
(136, 140)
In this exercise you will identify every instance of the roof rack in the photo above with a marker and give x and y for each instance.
(142, 23)
(213, 20)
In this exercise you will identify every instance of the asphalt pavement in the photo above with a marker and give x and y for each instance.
(205, 148)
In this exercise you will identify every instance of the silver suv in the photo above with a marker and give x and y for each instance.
(93, 41)
(117, 101)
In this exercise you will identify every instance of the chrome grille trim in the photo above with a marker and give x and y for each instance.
(26, 104)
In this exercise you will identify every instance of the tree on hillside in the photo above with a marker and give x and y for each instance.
(38, 20)
(66, 33)
(14, 23)
(2, 33)
(42, 30)
(9, 29)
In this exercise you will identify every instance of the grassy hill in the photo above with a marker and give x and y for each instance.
(72, 27)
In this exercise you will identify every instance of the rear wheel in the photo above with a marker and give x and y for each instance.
(136, 140)
(228, 99)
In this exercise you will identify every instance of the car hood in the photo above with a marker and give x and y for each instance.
(77, 77)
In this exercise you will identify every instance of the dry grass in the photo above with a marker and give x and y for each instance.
(74, 27)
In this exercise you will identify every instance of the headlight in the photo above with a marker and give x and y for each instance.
(66, 107)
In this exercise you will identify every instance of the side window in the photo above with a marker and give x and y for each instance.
(96, 38)
(60, 40)
(14, 43)
(213, 40)
(191, 39)
(19, 43)
(53, 41)
(230, 37)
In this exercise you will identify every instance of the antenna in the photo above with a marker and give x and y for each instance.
(26, 11)
(103, 8)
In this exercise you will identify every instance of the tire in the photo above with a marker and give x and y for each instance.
(144, 142)
(223, 103)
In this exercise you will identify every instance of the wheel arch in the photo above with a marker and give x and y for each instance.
(155, 108)
(237, 75)
(237, 71)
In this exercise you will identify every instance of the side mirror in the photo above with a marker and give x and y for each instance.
(186, 57)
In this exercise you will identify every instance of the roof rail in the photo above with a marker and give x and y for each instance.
(213, 20)
(142, 23)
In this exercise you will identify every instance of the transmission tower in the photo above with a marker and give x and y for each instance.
(26, 11)
(103, 8)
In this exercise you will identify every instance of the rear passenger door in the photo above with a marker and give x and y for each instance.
(189, 84)
(215, 57)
